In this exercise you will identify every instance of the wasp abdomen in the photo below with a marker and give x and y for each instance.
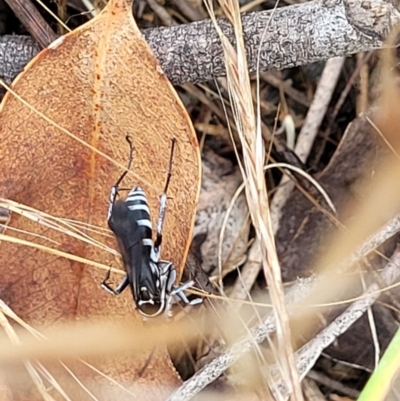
(138, 205)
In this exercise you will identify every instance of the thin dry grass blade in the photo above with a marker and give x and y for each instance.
(253, 173)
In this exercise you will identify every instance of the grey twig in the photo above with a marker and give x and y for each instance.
(33, 21)
(297, 35)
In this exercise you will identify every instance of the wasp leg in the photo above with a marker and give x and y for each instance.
(183, 297)
(121, 286)
(179, 291)
(163, 202)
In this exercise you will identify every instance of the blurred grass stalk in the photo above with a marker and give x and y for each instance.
(379, 384)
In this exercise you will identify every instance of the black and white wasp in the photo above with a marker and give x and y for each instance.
(150, 278)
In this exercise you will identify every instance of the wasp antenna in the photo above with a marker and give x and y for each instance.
(130, 159)
(171, 156)
(129, 140)
(131, 149)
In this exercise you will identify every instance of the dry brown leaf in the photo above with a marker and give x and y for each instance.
(220, 181)
(99, 82)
